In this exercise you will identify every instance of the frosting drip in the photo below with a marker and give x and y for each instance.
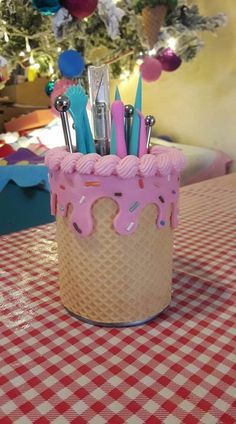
(80, 180)
(131, 195)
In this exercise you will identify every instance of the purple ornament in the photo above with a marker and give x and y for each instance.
(169, 60)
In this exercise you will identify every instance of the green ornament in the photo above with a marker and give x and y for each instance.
(49, 87)
(47, 7)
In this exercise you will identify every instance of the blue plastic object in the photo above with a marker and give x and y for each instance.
(71, 64)
(24, 197)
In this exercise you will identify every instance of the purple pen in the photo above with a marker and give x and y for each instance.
(118, 111)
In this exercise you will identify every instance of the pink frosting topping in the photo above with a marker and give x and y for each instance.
(148, 165)
(160, 161)
(128, 167)
(69, 162)
(163, 164)
(54, 158)
(106, 165)
(86, 164)
(80, 180)
(175, 159)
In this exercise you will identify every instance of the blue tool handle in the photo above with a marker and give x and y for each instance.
(79, 132)
(113, 139)
(90, 145)
(134, 138)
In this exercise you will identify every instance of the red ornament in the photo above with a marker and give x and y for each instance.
(80, 8)
(169, 60)
(150, 69)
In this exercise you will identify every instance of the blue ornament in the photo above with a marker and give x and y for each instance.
(47, 7)
(71, 64)
(49, 87)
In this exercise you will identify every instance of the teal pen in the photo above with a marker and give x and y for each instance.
(90, 145)
(134, 138)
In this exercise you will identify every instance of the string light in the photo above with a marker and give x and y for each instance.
(31, 59)
(139, 61)
(27, 45)
(50, 69)
(6, 38)
(152, 52)
(125, 75)
(140, 57)
(172, 42)
(136, 71)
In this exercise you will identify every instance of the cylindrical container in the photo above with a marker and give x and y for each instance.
(108, 278)
(115, 220)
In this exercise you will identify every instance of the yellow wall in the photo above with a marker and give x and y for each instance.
(197, 103)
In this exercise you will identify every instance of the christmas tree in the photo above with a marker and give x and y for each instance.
(34, 32)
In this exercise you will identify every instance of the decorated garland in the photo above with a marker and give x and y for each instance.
(34, 32)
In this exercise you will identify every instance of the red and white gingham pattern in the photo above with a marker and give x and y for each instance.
(205, 242)
(178, 369)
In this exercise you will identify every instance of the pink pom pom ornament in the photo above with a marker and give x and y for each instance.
(150, 69)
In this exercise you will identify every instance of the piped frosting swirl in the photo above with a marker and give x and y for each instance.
(160, 161)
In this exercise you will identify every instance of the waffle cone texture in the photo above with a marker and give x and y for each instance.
(111, 279)
(153, 18)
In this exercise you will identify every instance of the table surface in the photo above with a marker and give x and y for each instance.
(181, 368)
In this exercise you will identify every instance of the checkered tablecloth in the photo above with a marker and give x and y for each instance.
(181, 368)
(205, 242)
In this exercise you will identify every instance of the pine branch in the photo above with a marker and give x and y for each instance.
(23, 25)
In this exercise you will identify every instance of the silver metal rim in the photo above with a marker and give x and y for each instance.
(116, 324)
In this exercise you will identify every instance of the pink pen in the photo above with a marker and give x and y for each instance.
(117, 113)
(142, 135)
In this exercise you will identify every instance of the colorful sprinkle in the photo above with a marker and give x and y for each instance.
(141, 183)
(157, 185)
(134, 206)
(92, 184)
(130, 226)
(77, 228)
(61, 208)
(81, 200)
(168, 178)
(161, 199)
(118, 194)
(62, 187)
(162, 223)
(173, 192)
